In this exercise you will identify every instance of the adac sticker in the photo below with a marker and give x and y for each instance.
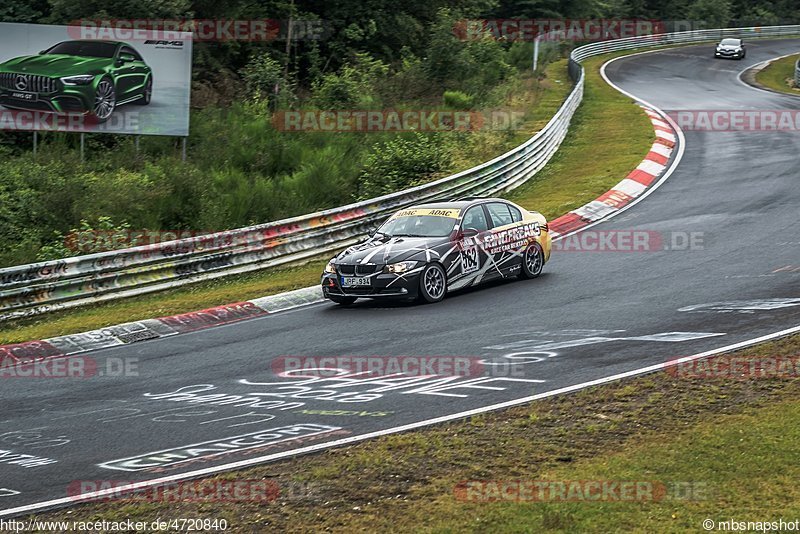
(452, 214)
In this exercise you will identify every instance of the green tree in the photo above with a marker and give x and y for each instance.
(712, 13)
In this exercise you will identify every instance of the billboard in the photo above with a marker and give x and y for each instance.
(52, 79)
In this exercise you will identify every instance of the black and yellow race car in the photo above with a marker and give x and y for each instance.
(424, 251)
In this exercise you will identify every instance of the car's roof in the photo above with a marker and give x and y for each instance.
(455, 204)
(92, 41)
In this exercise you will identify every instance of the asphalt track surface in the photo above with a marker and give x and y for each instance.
(591, 315)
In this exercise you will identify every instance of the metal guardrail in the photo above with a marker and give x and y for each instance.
(46, 286)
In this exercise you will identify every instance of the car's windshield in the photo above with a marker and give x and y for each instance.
(730, 42)
(418, 226)
(84, 49)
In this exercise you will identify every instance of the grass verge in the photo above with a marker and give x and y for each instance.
(608, 138)
(615, 133)
(734, 441)
(779, 75)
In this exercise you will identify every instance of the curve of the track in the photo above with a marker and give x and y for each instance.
(591, 315)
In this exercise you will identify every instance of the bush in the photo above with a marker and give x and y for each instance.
(89, 238)
(265, 81)
(353, 86)
(402, 163)
(457, 100)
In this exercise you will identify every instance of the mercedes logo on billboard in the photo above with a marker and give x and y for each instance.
(21, 82)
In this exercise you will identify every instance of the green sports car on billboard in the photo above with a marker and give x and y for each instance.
(88, 77)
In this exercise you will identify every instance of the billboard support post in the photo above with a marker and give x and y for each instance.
(136, 144)
(35, 142)
(82, 139)
(183, 149)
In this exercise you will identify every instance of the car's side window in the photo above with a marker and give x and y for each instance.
(500, 214)
(475, 219)
(131, 51)
(516, 215)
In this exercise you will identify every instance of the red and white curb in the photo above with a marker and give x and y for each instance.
(625, 192)
(127, 333)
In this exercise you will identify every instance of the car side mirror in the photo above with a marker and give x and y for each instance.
(125, 58)
(42, 52)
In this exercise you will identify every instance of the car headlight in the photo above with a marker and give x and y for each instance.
(84, 79)
(330, 268)
(400, 267)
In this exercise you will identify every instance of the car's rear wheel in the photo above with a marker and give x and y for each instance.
(532, 261)
(342, 301)
(432, 283)
(105, 100)
(147, 95)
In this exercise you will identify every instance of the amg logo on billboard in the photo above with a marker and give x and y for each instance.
(208, 449)
(164, 44)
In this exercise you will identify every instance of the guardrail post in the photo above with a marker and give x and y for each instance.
(797, 74)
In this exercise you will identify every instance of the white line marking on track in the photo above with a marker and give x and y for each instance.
(412, 426)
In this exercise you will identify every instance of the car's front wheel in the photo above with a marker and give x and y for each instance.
(432, 283)
(105, 100)
(342, 301)
(532, 261)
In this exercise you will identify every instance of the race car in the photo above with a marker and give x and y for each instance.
(730, 48)
(423, 252)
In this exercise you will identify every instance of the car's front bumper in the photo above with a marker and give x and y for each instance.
(67, 99)
(729, 55)
(383, 285)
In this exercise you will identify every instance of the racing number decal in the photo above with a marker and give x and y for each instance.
(469, 259)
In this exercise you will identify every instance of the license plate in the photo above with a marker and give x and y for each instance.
(28, 97)
(355, 281)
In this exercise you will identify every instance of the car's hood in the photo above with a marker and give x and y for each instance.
(729, 48)
(55, 65)
(383, 250)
